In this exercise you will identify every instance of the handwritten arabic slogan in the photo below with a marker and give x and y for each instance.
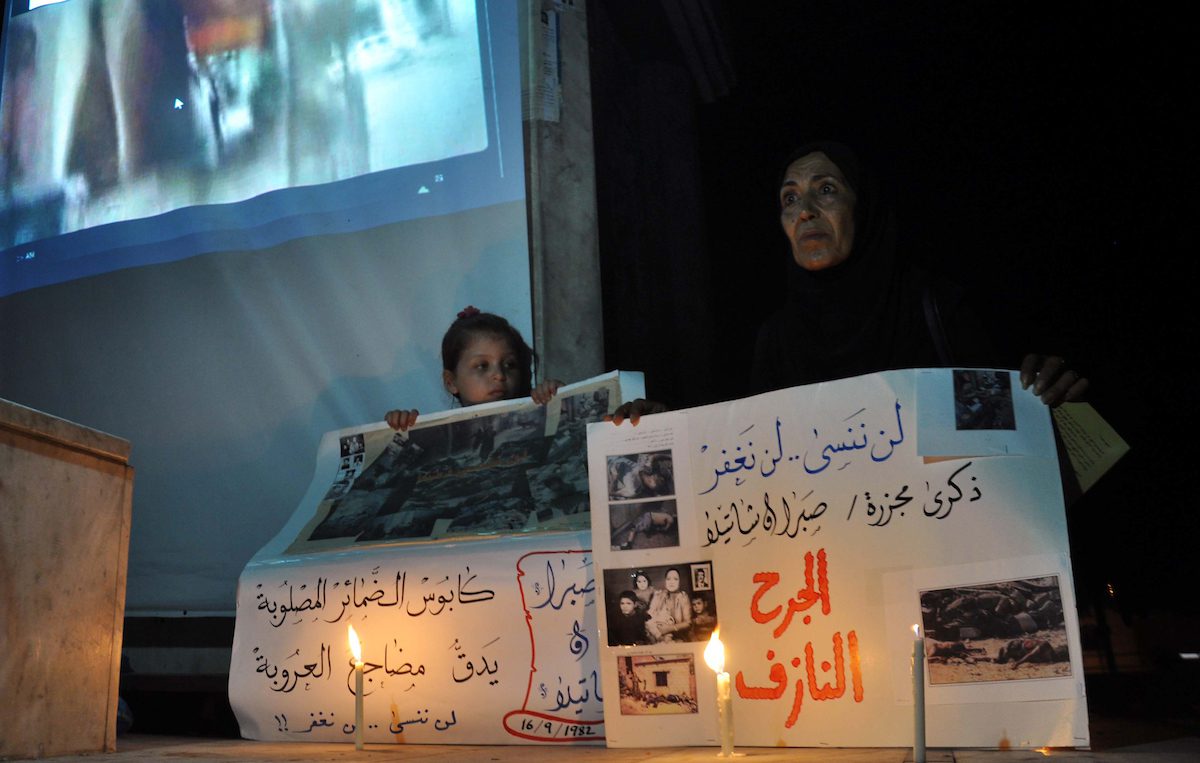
(556, 589)
(805, 501)
(489, 647)
(481, 642)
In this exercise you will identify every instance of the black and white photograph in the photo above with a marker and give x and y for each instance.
(560, 488)
(469, 472)
(1007, 631)
(641, 475)
(657, 684)
(646, 524)
(658, 605)
(351, 444)
(467, 476)
(522, 469)
(983, 400)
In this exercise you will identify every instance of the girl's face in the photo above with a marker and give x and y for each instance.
(642, 581)
(487, 370)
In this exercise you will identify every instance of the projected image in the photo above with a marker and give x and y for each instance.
(116, 111)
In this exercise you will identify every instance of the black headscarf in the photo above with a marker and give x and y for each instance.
(863, 315)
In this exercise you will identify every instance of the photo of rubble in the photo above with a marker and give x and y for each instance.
(1005, 631)
(657, 684)
(499, 473)
(983, 400)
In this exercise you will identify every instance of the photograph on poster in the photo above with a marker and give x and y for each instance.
(647, 524)
(511, 467)
(704, 621)
(1000, 631)
(655, 605)
(352, 444)
(641, 475)
(657, 684)
(560, 487)
(469, 473)
(983, 400)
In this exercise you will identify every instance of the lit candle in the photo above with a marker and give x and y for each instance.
(356, 649)
(714, 655)
(918, 679)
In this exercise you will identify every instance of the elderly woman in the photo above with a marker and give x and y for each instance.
(853, 308)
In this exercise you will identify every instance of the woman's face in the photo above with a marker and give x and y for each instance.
(672, 581)
(817, 212)
(641, 581)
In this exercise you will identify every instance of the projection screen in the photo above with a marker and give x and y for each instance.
(229, 226)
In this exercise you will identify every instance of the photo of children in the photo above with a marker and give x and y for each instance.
(652, 605)
(1006, 631)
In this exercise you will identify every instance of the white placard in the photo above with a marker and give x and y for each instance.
(809, 525)
(480, 639)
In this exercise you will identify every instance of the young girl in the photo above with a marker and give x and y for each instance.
(483, 359)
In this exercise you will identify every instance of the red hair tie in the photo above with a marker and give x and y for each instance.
(468, 311)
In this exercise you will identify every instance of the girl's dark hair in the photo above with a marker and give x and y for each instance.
(471, 323)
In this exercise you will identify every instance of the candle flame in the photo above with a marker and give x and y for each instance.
(916, 631)
(714, 653)
(355, 647)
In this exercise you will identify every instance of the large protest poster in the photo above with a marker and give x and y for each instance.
(459, 551)
(815, 527)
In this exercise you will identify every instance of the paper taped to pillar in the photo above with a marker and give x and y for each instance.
(815, 527)
(460, 553)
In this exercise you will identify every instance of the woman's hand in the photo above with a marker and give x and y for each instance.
(634, 410)
(401, 419)
(1052, 381)
(547, 389)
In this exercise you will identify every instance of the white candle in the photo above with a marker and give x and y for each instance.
(714, 655)
(356, 649)
(918, 679)
(725, 714)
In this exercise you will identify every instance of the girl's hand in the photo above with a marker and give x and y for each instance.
(401, 419)
(1052, 381)
(547, 389)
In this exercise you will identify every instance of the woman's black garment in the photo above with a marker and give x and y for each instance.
(870, 313)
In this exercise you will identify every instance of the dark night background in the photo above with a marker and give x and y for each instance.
(1035, 154)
